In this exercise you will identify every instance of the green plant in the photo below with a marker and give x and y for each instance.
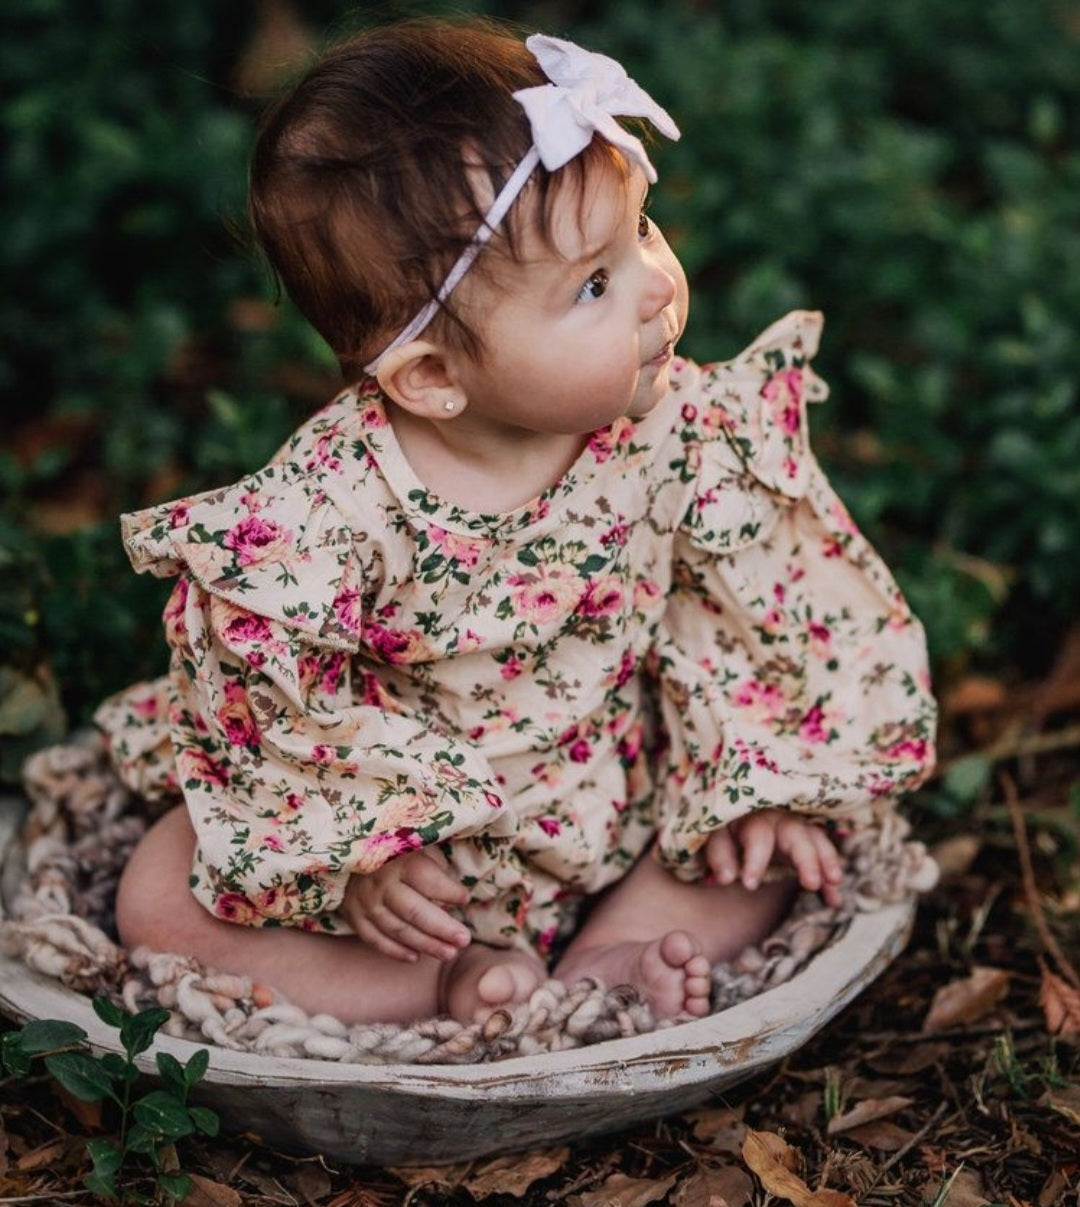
(148, 1126)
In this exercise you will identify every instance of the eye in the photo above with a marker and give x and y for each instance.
(595, 287)
(645, 225)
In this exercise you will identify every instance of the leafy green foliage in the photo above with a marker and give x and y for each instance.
(148, 1126)
(905, 168)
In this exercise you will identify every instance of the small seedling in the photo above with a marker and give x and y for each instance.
(149, 1126)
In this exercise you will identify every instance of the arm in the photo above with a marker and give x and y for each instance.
(302, 780)
(792, 675)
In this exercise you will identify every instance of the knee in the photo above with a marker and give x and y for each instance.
(154, 906)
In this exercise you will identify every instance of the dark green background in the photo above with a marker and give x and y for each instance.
(907, 166)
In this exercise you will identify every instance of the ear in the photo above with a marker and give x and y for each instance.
(419, 376)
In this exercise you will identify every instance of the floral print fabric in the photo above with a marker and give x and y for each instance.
(360, 668)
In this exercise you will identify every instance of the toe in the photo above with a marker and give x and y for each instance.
(496, 986)
(678, 947)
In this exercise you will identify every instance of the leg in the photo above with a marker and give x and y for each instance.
(332, 974)
(663, 936)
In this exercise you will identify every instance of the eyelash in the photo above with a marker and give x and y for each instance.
(602, 278)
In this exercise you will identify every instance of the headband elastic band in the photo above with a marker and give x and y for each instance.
(587, 92)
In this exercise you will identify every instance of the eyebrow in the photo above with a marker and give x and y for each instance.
(595, 253)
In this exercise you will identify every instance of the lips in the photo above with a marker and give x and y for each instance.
(663, 356)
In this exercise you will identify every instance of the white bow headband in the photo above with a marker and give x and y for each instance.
(586, 93)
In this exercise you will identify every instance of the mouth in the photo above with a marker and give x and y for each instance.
(663, 356)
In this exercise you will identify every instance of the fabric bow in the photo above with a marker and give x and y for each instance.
(586, 92)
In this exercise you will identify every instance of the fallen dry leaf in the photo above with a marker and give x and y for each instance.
(954, 856)
(974, 693)
(1060, 1004)
(968, 999)
(866, 1111)
(1066, 1101)
(772, 1159)
(880, 1134)
(44, 1155)
(721, 1128)
(908, 1061)
(312, 1182)
(445, 1177)
(714, 1186)
(514, 1174)
(620, 1190)
(965, 1189)
(206, 1193)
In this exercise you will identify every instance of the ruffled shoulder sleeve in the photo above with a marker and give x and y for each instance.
(274, 544)
(747, 423)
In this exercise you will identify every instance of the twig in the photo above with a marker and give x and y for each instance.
(41, 1198)
(1031, 891)
(903, 1152)
(1017, 745)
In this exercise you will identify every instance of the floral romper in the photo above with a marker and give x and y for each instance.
(687, 626)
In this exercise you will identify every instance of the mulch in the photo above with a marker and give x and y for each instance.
(953, 1081)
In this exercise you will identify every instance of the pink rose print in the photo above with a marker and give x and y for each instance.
(812, 727)
(466, 551)
(347, 611)
(762, 701)
(916, 750)
(603, 597)
(235, 907)
(783, 393)
(396, 647)
(235, 718)
(389, 844)
(178, 516)
(820, 639)
(198, 765)
(550, 826)
(146, 707)
(246, 628)
(255, 540)
(546, 594)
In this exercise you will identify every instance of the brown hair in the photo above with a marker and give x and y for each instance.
(363, 177)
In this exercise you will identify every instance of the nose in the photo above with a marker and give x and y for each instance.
(659, 292)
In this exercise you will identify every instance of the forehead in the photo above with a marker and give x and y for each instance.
(582, 212)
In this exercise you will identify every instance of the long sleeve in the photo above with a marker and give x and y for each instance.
(298, 768)
(792, 672)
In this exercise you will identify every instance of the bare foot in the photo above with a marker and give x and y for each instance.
(482, 979)
(670, 973)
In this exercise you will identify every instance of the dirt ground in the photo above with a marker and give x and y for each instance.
(953, 1081)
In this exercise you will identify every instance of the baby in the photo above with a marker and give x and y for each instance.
(537, 645)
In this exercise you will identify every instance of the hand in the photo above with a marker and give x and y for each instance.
(753, 840)
(394, 909)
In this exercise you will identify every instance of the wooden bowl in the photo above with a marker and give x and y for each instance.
(410, 1114)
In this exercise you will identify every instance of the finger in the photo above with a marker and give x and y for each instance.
(796, 841)
(370, 934)
(421, 924)
(758, 838)
(832, 868)
(722, 856)
(435, 881)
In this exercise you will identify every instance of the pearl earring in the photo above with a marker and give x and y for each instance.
(449, 404)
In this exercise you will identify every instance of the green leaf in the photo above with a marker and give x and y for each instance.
(172, 1071)
(107, 1158)
(196, 1067)
(967, 778)
(162, 1112)
(116, 1066)
(141, 1139)
(137, 1031)
(50, 1035)
(205, 1120)
(102, 1187)
(109, 1013)
(175, 1185)
(81, 1075)
(12, 1055)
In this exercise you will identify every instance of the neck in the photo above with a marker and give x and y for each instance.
(491, 470)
